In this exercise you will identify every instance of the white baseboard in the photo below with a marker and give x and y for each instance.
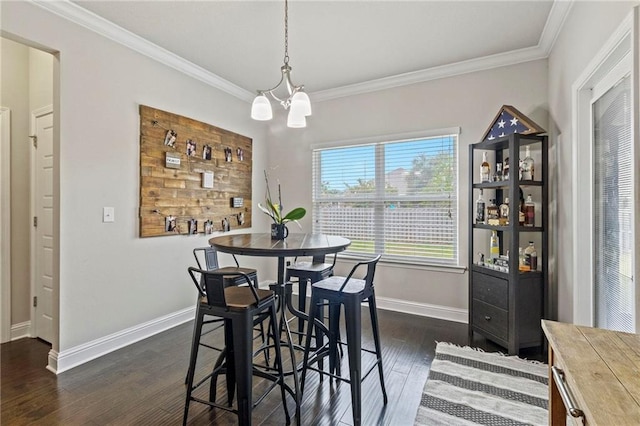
(20, 330)
(67, 359)
(424, 309)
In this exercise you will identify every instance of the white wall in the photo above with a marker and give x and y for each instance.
(40, 79)
(469, 101)
(110, 279)
(585, 30)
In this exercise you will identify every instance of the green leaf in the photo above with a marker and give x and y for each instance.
(295, 214)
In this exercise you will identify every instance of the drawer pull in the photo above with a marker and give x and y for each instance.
(487, 317)
(567, 399)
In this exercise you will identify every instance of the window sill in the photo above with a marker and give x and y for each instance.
(423, 266)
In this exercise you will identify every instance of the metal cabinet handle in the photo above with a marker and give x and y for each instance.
(567, 399)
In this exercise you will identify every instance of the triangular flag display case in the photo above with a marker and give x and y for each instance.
(508, 291)
(508, 121)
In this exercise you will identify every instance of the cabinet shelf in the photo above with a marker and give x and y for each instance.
(508, 228)
(501, 184)
(504, 275)
(506, 307)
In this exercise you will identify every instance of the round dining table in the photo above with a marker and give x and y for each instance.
(295, 245)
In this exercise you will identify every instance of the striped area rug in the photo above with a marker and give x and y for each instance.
(470, 387)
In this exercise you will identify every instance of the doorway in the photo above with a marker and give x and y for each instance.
(28, 260)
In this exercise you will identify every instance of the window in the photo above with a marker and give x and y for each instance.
(398, 198)
(614, 294)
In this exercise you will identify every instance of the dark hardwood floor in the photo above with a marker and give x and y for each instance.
(143, 384)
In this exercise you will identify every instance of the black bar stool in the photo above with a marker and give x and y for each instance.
(348, 292)
(233, 276)
(305, 272)
(238, 306)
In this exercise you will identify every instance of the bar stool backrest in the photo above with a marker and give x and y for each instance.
(371, 271)
(207, 254)
(212, 284)
(210, 257)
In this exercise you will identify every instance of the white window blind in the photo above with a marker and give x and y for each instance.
(614, 297)
(397, 198)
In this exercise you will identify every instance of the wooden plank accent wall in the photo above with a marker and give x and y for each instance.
(171, 198)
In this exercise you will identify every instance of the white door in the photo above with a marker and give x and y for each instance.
(42, 251)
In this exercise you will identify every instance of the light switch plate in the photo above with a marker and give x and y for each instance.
(108, 214)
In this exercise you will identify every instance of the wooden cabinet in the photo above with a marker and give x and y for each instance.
(505, 303)
(593, 375)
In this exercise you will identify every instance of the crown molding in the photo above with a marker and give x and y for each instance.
(78, 15)
(559, 12)
(93, 22)
(435, 73)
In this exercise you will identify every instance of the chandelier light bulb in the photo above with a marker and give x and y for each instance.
(261, 108)
(296, 119)
(301, 100)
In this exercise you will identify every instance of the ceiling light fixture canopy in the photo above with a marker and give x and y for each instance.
(297, 101)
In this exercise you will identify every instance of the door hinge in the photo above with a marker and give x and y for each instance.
(34, 138)
(35, 301)
(35, 221)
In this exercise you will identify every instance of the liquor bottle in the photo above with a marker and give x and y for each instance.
(493, 213)
(485, 169)
(531, 256)
(494, 247)
(522, 263)
(498, 175)
(527, 165)
(504, 212)
(529, 212)
(505, 169)
(480, 209)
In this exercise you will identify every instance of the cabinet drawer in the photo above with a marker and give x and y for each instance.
(491, 319)
(492, 290)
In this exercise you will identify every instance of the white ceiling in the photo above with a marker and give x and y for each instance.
(336, 44)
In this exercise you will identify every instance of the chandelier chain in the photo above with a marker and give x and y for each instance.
(286, 32)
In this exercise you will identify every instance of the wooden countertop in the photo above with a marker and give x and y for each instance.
(602, 371)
